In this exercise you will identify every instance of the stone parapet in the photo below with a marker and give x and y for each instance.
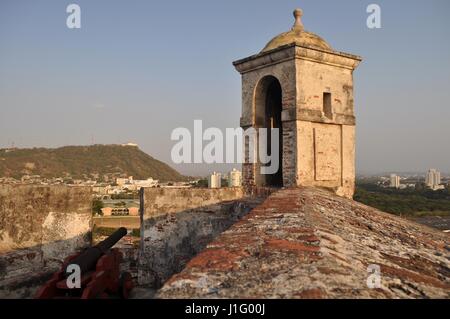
(311, 243)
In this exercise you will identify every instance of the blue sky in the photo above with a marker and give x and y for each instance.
(138, 69)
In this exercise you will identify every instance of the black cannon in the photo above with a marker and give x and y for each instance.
(99, 270)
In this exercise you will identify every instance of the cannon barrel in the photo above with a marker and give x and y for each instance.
(87, 260)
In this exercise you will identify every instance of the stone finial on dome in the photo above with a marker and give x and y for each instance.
(299, 36)
(298, 25)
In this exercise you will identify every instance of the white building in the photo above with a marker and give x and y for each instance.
(113, 190)
(433, 179)
(134, 184)
(149, 182)
(130, 144)
(395, 181)
(214, 180)
(235, 178)
(122, 181)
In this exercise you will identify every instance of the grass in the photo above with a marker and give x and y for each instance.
(80, 162)
(409, 202)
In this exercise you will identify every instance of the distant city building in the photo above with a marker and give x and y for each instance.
(214, 180)
(134, 184)
(120, 208)
(121, 181)
(433, 179)
(130, 144)
(100, 190)
(120, 211)
(149, 182)
(235, 178)
(112, 190)
(395, 181)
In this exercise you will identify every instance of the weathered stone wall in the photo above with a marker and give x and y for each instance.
(326, 156)
(315, 78)
(177, 223)
(39, 227)
(253, 105)
(282, 70)
(160, 201)
(326, 146)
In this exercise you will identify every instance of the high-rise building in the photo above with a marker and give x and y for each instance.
(214, 180)
(433, 178)
(395, 181)
(235, 178)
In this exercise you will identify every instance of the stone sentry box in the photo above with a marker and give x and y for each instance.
(300, 85)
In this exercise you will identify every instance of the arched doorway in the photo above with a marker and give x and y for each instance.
(268, 107)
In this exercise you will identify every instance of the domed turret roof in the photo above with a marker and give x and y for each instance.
(298, 35)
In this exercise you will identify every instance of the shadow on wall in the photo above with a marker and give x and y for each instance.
(33, 215)
(23, 271)
(178, 224)
(39, 227)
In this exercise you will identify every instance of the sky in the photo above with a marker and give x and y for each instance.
(136, 70)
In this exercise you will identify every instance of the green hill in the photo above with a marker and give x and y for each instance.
(81, 162)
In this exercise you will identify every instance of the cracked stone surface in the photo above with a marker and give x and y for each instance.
(310, 243)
